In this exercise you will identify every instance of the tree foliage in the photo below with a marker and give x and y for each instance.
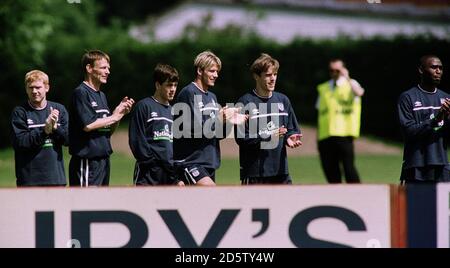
(52, 35)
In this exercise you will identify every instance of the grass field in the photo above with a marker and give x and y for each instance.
(303, 170)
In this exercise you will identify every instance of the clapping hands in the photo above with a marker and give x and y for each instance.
(126, 104)
(444, 111)
(124, 107)
(51, 123)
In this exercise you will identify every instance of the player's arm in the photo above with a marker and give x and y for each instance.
(293, 134)
(60, 132)
(137, 138)
(410, 128)
(22, 137)
(112, 121)
(444, 111)
(229, 116)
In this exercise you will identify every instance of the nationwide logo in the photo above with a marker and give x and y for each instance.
(48, 143)
(417, 104)
(269, 130)
(30, 122)
(94, 104)
(163, 134)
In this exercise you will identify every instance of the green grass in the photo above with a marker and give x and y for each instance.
(307, 169)
(303, 170)
(122, 168)
(7, 173)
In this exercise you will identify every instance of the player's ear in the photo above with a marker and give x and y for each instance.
(199, 71)
(419, 69)
(88, 68)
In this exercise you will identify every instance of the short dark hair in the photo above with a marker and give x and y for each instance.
(263, 63)
(424, 58)
(336, 60)
(91, 56)
(165, 72)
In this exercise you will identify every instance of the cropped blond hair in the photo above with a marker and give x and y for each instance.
(36, 75)
(206, 59)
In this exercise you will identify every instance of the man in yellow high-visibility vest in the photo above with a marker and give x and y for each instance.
(339, 115)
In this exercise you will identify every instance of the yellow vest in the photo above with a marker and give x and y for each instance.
(339, 111)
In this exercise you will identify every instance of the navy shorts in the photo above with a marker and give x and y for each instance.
(151, 173)
(86, 172)
(192, 174)
(281, 179)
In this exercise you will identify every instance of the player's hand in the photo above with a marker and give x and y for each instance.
(127, 104)
(124, 107)
(232, 115)
(294, 140)
(55, 117)
(444, 111)
(280, 132)
(51, 122)
(447, 101)
(446, 106)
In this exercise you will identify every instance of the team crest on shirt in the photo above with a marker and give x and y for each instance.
(280, 106)
(417, 104)
(30, 122)
(94, 104)
(154, 114)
